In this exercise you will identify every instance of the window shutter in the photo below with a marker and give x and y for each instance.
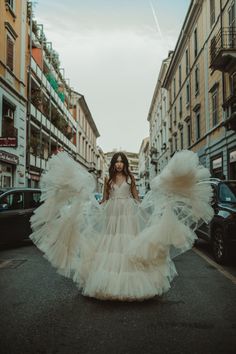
(10, 53)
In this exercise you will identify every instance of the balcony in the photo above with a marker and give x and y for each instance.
(223, 50)
(230, 107)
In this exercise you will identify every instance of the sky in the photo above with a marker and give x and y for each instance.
(112, 52)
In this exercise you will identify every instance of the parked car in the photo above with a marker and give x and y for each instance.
(16, 207)
(221, 231)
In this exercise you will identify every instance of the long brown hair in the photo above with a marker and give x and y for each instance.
(113, 172)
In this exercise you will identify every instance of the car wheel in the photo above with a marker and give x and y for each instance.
(220, 249)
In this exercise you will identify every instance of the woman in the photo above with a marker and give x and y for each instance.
(121, 249)
(119, 173)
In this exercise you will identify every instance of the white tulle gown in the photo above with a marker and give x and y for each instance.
(122, 249)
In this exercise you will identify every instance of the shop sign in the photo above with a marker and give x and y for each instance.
(10, 158)
(8, 142)
(217, 163)
(232, 156)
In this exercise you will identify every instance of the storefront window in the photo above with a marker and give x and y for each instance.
(217, 169)
(232, 165)
(6, 175)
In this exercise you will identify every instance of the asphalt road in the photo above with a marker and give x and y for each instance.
(42, 312)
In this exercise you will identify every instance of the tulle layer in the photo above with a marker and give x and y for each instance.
(121, 249)
(115, 276)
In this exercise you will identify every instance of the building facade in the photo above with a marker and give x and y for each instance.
(102, 168)
(40, 113)
(13, 92)
(201, 86)
(159, 123)
(143, 166)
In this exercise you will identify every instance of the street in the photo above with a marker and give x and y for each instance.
(42, 312)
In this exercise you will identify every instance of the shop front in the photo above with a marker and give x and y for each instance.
(34, 178)
(217, 167)
(232, 164)
(8, 163)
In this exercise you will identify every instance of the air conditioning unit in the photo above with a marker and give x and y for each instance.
(10, 114)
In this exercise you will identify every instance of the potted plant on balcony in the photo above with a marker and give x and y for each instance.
(34, 143)
(36, 97)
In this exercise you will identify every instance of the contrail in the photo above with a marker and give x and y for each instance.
(155, 19)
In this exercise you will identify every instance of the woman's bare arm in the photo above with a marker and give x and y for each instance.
(105, 191)
(134, 191)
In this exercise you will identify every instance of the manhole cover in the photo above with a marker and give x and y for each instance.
(11, 263)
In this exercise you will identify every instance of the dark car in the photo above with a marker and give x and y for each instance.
(16, 207)
(221, 231)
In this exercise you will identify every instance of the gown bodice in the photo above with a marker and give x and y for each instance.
(121, 191)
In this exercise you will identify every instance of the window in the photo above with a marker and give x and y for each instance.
(232, 16)
(189, 134)
(14, 201)
(174, 88)
(34, 199)
(181, 140)
(175, 115)
(8, 112)
(212, 12)
(180, 106)
(232, 25)
(170, 122)
(187, 93)
(227, 193)
(170, 96)
(176, 143)
(215, 107)
(10, 53)
(180, 76)
(213, 47)
(198, 124)
(233, 84)
(197, 80)
(10, 3)
(195, 43)
(186, 62)
(171, 147)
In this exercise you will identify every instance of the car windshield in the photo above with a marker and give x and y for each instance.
(227, 192)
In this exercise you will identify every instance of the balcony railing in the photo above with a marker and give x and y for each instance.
(223, 48)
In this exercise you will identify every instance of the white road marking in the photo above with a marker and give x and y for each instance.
(216, 265)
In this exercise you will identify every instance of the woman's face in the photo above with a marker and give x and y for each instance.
(119, 165)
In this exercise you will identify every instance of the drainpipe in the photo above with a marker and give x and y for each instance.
(223, 83)
(222, 43)
(29, 97)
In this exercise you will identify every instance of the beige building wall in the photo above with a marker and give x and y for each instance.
(199, 122)
(13, 92)
(143, 167)
(159, 124)
(87, 134)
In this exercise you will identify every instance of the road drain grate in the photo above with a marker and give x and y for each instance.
(11, 263)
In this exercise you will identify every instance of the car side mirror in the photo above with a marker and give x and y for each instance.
(4, 207)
